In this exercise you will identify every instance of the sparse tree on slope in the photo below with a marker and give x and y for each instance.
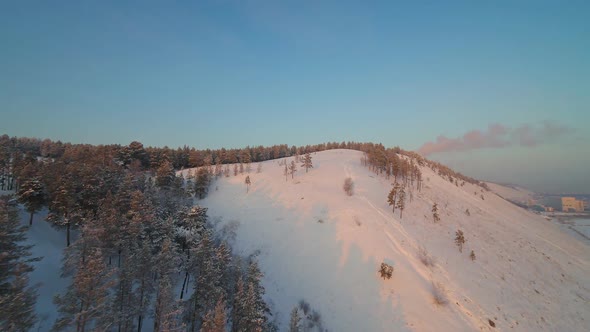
(307, 162)
(286, 171)
(218, 169)
(248, 182)
(348, 186)
(401, 201)
(17, 299)
(292, 168)
(435, 216)
(459, 240)
(391, 198)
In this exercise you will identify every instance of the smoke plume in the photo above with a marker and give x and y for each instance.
(496, 136)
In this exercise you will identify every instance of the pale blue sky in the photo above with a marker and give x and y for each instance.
(231, 74)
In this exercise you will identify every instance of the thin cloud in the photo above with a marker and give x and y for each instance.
(497, 136)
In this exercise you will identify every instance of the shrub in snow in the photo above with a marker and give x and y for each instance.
(425, 257)
(348, 186)
(472, 255)
(386, 270)
(439, 293)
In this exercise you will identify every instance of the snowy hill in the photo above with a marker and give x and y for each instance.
(319, 245)
(513, 193)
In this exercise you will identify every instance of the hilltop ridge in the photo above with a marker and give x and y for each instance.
(319, 245)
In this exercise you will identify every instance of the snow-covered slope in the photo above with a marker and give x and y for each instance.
(317, 244)
(513, 193)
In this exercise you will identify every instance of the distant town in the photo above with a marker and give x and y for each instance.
(552, 203)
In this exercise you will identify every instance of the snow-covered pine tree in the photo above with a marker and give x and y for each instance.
(208, 288)
(307, 162)
(32, 194)
(258, 310)
(240, 306)
(391, 198)
(215, 319)
(143, 279)
(202, 183)
(86, 301)
(295, 320)
(218, 169)
(17, 299)
(248, 182)
(401, 201)
(286, 171)
(165, 267)
(165, 175)
(292, 168)
(435, 216)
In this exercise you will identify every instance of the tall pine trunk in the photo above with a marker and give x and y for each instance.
(183, 285)
(140, 307)
(68, 233)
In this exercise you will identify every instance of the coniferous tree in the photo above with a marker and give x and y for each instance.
(17, 299)
(248, 182)
(435, 216)
(165, 175)
(165, 268)
(207, 266)
(86, 300)
(294, 321)
(218, 169)
(307, 162)
(143, 280)
(459, 240)
(202, 183)
(214, 320)
(240, 304)
(32, 194)
(292, 168)
(401, 201)
(286, 171)
(392, 197)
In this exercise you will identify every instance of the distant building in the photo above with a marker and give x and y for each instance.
(571, 204)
